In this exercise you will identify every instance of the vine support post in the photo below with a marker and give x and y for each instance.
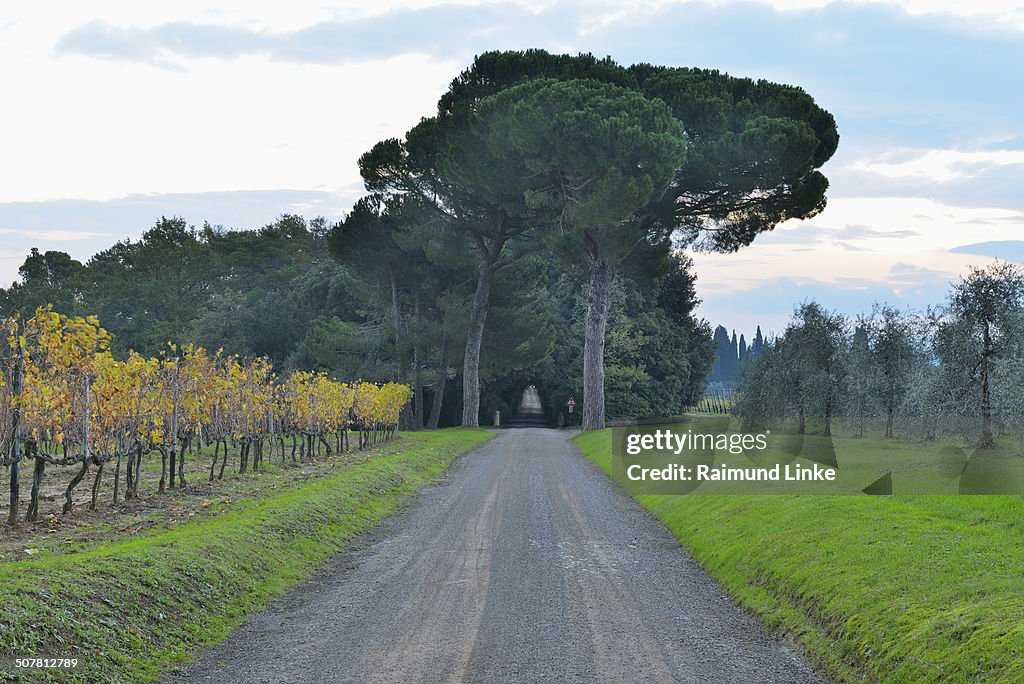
(14, 456)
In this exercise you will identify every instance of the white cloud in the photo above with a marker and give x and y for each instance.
(834, 247)
(940, 166)
(55, 235)
(102, 130)
(1003, 12)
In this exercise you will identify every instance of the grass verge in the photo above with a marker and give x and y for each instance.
(893, 589)
(129, 610)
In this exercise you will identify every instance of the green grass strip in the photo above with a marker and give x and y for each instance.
(891, 589)
(129, 610)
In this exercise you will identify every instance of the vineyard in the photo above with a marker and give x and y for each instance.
(67, 403)
(714, 401)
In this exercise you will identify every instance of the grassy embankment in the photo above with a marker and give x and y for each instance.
(895, 589)
(130, 609)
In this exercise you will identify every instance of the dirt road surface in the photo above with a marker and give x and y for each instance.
(527, 564)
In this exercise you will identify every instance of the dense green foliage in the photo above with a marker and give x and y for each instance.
(254, 293)
(278, 292)
(755, 146)
(657, 354)
(605, 166)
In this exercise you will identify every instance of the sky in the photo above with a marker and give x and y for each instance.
(117, 113)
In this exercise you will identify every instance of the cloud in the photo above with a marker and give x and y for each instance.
(832, 228)
(54, 235)
(983, 177)
(442, 31)
(861, 232)
(909, 80)
(940, 166)
(773, 300)
(132, 214)
(1009, 250)
(902, 274)
(918, 223)
(1001, 12)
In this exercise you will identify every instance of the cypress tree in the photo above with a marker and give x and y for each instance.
(721, 342)
(757, 346)
(734, 357)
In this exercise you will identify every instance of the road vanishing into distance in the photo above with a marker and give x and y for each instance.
(526, 564)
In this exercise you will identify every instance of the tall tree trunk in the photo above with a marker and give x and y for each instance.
(442, 380)
(986, 393)
(417, 377)
(593, 344)
(474, 340)
(405, 416)
(986, 409)
(828, 418)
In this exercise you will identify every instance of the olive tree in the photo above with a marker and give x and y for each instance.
(980, 327)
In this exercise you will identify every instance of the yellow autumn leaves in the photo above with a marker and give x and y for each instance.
(73, 390)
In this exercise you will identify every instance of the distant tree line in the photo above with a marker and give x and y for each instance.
(253, 292)
(278, 292)
(953, 369)
(731, 354)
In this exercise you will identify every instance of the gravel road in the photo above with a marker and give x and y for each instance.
(526, 564)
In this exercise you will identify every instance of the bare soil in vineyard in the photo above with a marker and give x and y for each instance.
(200, 498)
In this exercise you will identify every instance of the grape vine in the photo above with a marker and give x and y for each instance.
(66, 402)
